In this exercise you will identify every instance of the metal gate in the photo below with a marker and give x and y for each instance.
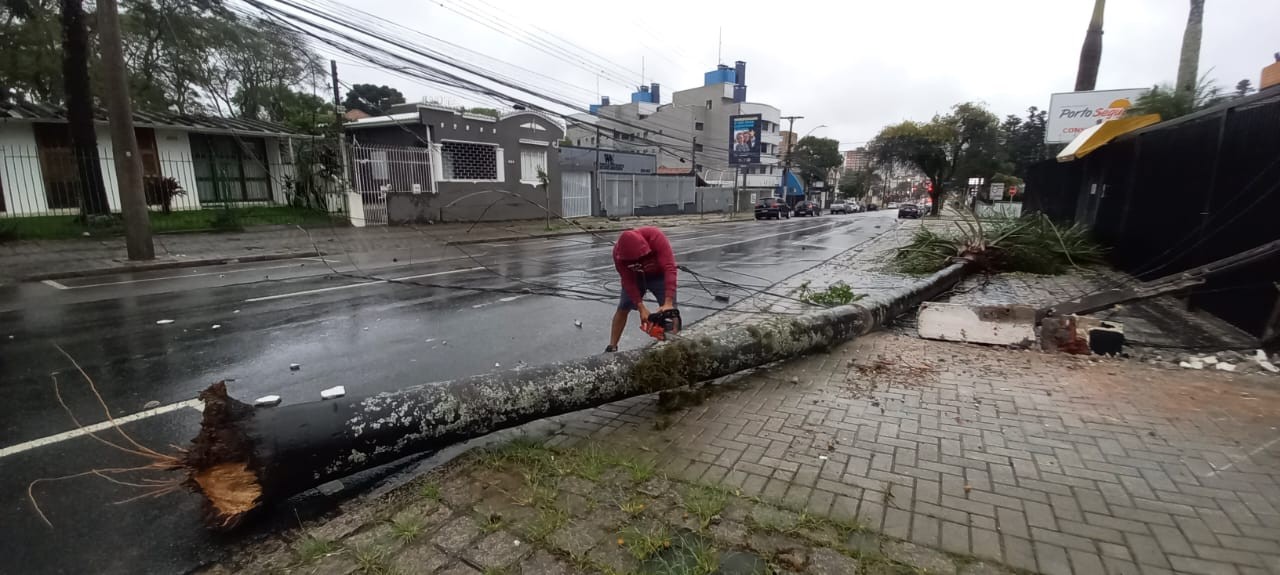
(377, 170)
(575, 188)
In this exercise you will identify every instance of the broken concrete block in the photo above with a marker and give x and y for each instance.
(267, 401)
(996, 325)
(333, 392)
(1224, 366)
(1081, 335)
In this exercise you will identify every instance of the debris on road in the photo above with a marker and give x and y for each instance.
(1013, 325)
(1259, 356)
(722, 298)
(333, 392)
(216, 326)
(577, 323)
(1193, 364)
(267, 401)
(1081, 335)
(1224, 366)
(164, 321)
(151, 404)
(294, 367)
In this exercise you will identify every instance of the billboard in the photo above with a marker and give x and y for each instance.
(1073, 112)
(744, 139)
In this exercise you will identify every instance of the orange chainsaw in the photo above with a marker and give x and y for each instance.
(659, 324)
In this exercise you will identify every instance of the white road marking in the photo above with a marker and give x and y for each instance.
(356, 285)
(214, 273)
(54, 284)
(195, 404)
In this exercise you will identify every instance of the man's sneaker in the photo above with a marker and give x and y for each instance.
(610, 348)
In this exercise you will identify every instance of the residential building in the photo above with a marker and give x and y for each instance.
(214, 161)
(424, 162)
(692, 129)
(788, 140)
(857, 159)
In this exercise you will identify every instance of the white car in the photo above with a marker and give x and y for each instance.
(841, 208)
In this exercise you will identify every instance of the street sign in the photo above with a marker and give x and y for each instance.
(995, 192)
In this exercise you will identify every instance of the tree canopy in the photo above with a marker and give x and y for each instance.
(183, 56)
(372, 99)
(815, 157)
(855, 185)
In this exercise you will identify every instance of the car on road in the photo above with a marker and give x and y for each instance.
(842, 208)
(871, 208)
(807, 208)
(909, 211)
(772, 208)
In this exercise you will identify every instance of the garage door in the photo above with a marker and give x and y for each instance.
(576, 190)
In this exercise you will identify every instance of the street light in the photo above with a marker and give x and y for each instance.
(806, 134)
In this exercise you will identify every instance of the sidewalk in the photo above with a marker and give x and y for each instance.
(47, 259)
(888, 454)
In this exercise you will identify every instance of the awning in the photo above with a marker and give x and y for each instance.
(1098, 135)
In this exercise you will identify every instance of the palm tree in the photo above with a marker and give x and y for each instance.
(1091, 52)
(1189, 61)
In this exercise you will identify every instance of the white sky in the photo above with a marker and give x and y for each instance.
(854, 65)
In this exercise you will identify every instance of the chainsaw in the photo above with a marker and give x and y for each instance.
(659, 324)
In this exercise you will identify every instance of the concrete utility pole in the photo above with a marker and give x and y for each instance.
(786, 162)
(133, 202)
(337, 118)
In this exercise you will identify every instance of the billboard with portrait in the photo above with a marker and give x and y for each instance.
(744, 139)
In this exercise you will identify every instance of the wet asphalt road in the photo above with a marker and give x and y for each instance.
(365, 334)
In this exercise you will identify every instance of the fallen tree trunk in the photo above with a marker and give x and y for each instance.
(244, 457)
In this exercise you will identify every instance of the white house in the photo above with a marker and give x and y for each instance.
(215, 160)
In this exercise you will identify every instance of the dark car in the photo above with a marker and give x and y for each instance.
(808, 209)
(871, 208)
(909, 211)
(772, 208)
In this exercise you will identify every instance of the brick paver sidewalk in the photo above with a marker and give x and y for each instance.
(1051, 464)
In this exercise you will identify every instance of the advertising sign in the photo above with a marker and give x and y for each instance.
(1072, 112)
(744, 139)
(996, 192)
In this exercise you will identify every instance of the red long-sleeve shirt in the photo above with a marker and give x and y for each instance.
(650, 247)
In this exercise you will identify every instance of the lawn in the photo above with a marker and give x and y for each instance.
(214, 219)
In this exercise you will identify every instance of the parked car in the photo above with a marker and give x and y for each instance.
(807, 208)
(772, 208)
(909, 211)
(871, 208)
(842, 208)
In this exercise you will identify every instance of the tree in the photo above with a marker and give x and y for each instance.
(1189, 60)
(1169, 103)
(484, 112)
(960, 144)
(303, 111)
(372, 99)
(30, 37)
(1022, 141)
(1244, 88)
(79, 96)
(855, 185)
(815, 157)
(1091, 51)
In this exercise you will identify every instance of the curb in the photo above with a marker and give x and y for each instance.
(572, 233)
(129, 268)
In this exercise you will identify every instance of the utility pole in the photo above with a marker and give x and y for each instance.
(786, 162)
(133, 202)
(693, 169)
(596, 178)
(337, 119)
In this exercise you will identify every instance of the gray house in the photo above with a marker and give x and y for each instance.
(431, 163)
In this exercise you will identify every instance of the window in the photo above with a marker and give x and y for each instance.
(697, 147)
(708, 104)
(697, 125)
(230, 169)
(531, 160)
(469, 161)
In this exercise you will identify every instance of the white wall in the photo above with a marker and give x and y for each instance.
(173, 147)
(106, 157)
(277, 169)
(20, 175)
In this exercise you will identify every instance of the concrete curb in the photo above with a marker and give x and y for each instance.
(515, 238)
(146, 267)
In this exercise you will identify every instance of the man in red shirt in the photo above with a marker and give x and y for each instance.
(644, 262)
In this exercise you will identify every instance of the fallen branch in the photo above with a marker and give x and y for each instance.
(245, 458)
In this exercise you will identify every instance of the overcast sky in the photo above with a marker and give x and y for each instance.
(853, 66)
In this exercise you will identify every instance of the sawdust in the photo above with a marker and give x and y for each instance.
(231, 488)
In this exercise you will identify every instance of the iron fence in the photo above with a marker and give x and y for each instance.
(651, 194)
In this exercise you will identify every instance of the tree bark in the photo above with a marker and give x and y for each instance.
(1091, 51)
(244, 458)
(1189, 60)
(79, 100)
